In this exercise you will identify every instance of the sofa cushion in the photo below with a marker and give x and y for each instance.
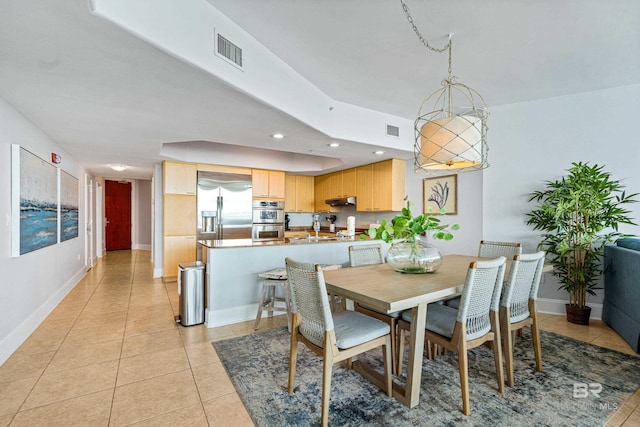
(629, 243)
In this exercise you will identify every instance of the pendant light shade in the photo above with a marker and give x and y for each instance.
(451, 136)
(450, 143)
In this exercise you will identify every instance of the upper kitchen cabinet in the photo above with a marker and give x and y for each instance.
(299, 193)
(322, 193)
(342, 184)
(381, 186)
(268, 184)
(179, 178)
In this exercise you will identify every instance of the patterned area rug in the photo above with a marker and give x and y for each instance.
(581, 385)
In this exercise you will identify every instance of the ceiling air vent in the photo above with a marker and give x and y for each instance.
(393, 131)
(230, 51)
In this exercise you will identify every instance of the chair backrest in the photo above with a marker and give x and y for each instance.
(489, 249)
(522, 285)
(481, 294)
(360, 255)
(309, 298)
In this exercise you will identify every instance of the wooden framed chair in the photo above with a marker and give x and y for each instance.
(490, 249)
(335, 337)
(360, 255)
(518, 306)
(474, 323)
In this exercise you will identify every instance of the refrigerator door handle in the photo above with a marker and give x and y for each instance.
(220, 227)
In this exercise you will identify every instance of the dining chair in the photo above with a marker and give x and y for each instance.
(518, 306)
(335, 337)
(492, 249)
(474, 323)
(361, 255)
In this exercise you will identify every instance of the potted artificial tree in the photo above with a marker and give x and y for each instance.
(578, 215)
(409, 253)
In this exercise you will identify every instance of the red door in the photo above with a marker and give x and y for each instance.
(117, 202)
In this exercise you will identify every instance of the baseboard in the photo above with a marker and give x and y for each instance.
(555, 306)
(232, 315)
(19, 335)
(141, 247)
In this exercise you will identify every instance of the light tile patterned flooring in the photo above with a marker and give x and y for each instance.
(112, 354)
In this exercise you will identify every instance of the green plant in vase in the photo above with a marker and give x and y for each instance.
(409, 253)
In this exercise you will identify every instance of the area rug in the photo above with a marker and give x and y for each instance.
(581, 385)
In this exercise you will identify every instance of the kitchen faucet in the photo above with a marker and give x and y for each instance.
(316, 224)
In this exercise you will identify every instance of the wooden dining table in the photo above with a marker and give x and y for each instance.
(384, 289)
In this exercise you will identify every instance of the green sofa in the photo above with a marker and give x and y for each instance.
(621, 307)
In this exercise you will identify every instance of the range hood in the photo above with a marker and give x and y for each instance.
(342, 201)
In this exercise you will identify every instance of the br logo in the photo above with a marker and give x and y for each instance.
(583, 390)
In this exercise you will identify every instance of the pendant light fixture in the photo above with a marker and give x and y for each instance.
(451, 126)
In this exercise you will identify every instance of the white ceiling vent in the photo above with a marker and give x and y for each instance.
(393, 131)
(228, 50)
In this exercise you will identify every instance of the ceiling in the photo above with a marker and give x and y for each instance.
(107, 97)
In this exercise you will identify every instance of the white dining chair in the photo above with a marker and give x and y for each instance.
(361, 255)
(518, 306)
(474, 323)
(492, 249)
(333, 336)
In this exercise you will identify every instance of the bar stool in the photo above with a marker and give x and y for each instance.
(272, 280)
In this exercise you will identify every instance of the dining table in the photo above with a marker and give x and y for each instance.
(380, 287)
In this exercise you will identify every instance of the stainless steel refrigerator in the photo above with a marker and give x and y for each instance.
(224, 206)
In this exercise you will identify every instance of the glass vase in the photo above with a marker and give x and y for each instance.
(414, 255)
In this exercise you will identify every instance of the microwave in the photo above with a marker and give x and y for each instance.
(263, 232)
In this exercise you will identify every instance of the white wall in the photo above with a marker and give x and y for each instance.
(537, 141)
(142, 201)
(34, 283)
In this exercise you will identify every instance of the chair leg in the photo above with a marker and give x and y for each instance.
(537, 348)
(272, 300)
(497, 349)
(394, 363)
(287, 301)
(400, 347)
(327, 367)
(388, 365)
(463, 367)
(256, 325)
(293, 354)
(507, 344)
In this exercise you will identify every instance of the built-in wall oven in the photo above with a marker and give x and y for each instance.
(268, 220)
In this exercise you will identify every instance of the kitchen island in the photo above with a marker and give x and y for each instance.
(232, 284)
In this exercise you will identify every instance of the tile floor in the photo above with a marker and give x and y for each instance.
(112, 354)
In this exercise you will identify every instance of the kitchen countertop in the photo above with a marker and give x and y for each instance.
(246, 243)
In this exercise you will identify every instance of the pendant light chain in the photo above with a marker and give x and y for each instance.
(422, 39)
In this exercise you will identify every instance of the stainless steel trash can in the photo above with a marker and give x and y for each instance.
(191, 293)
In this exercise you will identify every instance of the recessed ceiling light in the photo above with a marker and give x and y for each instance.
(118, 168)
(334, 145)
(379, 152)
(277, 136)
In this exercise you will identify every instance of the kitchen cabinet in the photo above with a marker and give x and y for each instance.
(268, 184)
(177, 249)
(323, 192)
(179, 178)
(179, 215)
(342, 184)
(299, 193)
(381, 186)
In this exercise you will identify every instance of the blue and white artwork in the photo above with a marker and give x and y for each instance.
(68, 206)
(36, 184)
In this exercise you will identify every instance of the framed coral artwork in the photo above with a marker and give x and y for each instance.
(440, 192)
